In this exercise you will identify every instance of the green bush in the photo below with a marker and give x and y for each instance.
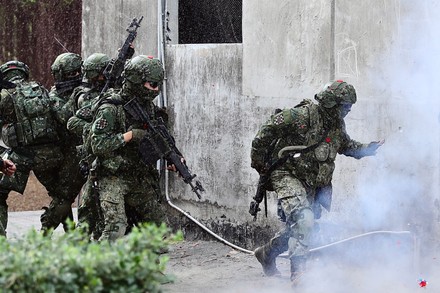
(70, 263)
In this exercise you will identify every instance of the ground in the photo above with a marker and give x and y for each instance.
(204, 266)
(384, 263)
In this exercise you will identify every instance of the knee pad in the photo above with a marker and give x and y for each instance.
(301, 225)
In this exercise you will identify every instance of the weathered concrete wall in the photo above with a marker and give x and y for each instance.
(286, 48)
(220, 94)
(105, 23)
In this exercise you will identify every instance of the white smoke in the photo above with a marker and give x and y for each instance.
(399, 188)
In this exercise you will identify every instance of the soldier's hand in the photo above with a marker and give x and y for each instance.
(172, 167)
(9, 167)
(374, 145)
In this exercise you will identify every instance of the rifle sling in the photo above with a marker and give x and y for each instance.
(281, 161)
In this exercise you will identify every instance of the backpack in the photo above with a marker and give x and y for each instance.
(34, 121)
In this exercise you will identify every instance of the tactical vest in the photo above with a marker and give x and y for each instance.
(34, 123)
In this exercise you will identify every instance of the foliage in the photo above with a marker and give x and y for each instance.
(70, 263)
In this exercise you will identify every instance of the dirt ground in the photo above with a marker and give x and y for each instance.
(34, 198)
(205, 266)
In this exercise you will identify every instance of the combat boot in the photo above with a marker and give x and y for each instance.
(297, 268)
(266, 255)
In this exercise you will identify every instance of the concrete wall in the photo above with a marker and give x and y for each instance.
(219, 95)
(105, 24)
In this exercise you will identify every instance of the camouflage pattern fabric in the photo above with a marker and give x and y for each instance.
(79, 125)
(125, 182)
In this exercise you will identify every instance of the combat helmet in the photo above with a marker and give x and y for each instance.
(14, 69)
(66, 70)
(94, 65)
(336, 93)
(138, 71)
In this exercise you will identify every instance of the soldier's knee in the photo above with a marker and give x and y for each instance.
(113, 231)
(57, 212)
(301, 225)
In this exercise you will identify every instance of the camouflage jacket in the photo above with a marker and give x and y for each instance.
(63, 107)
(305, 125)
(83, 97)
(110, 122)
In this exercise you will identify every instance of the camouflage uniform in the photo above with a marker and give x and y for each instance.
(29, 131)
(79, 124)
(124, 181)
(66, 70)
(303, 184)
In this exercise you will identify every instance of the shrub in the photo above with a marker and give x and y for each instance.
(70, 263)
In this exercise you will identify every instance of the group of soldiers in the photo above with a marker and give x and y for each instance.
(79, 141)
(80, 138)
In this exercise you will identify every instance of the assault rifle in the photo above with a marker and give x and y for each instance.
(159, 143)
(261, 193)
(114, 69)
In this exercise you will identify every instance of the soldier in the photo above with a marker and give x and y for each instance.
(115, 138)
(315, 133)
(79, 124)
(66, 70)
(29, 131)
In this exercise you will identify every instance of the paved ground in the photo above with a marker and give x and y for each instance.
(21, 222)
(377, 264)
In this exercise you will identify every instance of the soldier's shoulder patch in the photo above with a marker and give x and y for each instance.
(84, 113)
(278, 119)
(101, 123)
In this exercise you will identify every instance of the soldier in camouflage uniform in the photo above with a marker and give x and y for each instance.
(115, 138)
(303, 183)
(66, 70)
(79, 124)
(29, 131)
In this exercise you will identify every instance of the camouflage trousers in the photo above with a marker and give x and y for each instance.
(58, 173)
(89, 210)
(136, 197)
(296, 202)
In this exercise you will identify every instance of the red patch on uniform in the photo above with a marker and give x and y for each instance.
(423, 283)
(340, 80)
(328, 139)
